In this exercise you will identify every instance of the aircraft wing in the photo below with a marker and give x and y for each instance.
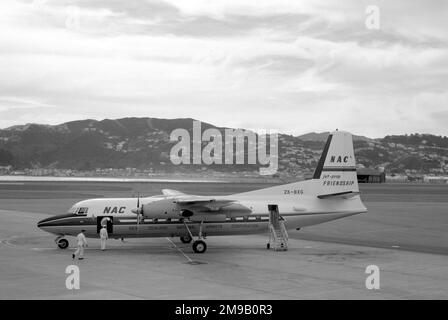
(200, 208)
(202, 203)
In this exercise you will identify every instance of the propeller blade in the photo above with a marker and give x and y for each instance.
(139, 212)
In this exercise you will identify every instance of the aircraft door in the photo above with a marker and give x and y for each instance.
(274, 215)
(109, 221)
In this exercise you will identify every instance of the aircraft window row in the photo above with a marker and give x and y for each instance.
(245, 218)
(234, 219)
(162, 220)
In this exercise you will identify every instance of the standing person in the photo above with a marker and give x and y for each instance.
(82, 242)
(104, 236)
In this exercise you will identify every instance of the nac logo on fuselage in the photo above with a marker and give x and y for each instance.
(114, 209)
(338, 159)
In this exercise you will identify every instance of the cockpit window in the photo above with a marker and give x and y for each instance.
(78, 210)
(83, 210)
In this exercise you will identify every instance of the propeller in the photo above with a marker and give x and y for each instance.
(139, 210)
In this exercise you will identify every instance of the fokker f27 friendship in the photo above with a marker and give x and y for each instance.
(331, 194)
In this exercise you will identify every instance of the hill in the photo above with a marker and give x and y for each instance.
(143, 144)
(313, 136)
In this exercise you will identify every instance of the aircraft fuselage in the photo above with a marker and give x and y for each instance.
(125, 224)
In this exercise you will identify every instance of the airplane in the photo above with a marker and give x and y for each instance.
(331, 194)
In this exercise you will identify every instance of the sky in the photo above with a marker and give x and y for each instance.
(291, 66)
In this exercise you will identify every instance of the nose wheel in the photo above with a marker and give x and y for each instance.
(62, 243)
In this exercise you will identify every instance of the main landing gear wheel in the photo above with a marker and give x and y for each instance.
(186, 238)
(62, 243)
(199, 246)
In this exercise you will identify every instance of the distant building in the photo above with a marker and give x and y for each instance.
(5, 170)
(415, 178)
(366, 175)
(435, 179)
(398, 178)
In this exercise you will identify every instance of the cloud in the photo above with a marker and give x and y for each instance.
(287, 65)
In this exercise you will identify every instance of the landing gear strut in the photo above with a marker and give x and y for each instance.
(199, 246)
(62, 243)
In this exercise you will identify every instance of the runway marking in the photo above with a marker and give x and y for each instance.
(190, 261)
(7, 242)
(395, 246)
(180, 250)
(12, 183)
(42, 249)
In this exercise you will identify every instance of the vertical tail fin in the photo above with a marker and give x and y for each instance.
(336, 169)
(335, 175)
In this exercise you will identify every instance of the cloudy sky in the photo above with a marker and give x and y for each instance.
(294, 66)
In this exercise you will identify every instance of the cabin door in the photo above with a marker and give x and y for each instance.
(274, 215)
(109, 221)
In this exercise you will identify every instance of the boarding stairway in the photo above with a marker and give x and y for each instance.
(278, 236)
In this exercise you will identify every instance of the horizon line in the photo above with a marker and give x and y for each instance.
(217, 126)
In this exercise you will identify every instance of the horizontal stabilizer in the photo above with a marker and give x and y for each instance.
(339, 195)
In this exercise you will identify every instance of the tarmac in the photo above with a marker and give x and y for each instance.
(407, 240)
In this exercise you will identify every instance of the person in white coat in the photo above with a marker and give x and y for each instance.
(82, 242)
(103, 236)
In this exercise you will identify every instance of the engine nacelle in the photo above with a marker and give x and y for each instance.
(235, 210)
(161, 209)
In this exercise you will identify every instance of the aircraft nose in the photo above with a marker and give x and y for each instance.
(51, 221)
(45, 222)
